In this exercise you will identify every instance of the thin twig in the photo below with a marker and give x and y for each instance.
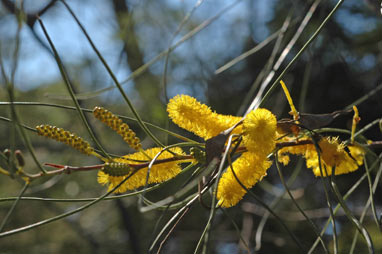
(6, 218)
(70, 89)
(256, 102)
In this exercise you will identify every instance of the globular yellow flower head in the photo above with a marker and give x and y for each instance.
(333, 154)
(249, 169)
(260, 131)
(158, 173)
(198, 118)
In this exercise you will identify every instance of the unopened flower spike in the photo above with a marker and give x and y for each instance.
(66, 137)
(355, 121)
(116, 124)
(116, 168)
(198, 154)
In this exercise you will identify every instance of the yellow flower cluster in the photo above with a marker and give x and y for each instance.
(131, 166)
(259, 135)
(158, 173)
(332, 155)
(189, 114)
(249, 168)
(259, 132)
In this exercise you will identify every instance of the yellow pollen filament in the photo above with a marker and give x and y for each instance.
(293, 112)
(356, 120)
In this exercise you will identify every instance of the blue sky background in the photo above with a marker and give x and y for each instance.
(222, 40)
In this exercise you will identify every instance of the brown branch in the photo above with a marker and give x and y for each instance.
(294, 143)
(31, 17)
(65, 169)
(375, 145)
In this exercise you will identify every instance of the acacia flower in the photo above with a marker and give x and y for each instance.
(260, 131)
(159, 172)
(259, 138)
(198, 118)
(249, 168)
(333, 154)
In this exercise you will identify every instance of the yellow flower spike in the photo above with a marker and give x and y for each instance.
(116, 124)
(249, 169)
(188, 113)
(293, 112)
(66, 137)
(356, 120)
(158, 173)
(260, 131)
